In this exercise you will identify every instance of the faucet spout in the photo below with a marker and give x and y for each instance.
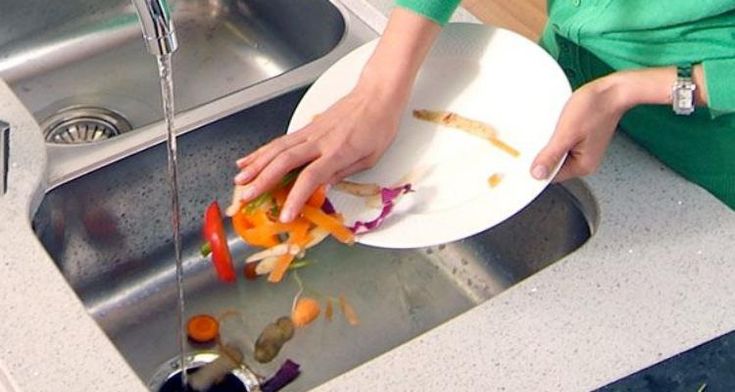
(158, 27)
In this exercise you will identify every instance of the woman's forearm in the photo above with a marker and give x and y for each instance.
(392, 69)
(651, 86)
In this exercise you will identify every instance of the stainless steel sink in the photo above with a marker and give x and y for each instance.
(109, 233)
(233, 54)
(239, 73)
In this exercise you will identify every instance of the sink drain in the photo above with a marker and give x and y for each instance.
(168, 376)
(83, 124)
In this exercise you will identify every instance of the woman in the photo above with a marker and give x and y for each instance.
(627, 61)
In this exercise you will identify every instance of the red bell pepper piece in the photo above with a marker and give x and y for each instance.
(214, 233)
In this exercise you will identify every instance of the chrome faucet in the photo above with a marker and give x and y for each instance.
(158, 26)
(4, 156)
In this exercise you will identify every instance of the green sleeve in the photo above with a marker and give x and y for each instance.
(437, 10)
(719, 76)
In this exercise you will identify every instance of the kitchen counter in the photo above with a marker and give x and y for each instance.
(654, 280)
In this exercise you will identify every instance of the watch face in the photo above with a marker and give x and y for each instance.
(683, 97)
(683, 100)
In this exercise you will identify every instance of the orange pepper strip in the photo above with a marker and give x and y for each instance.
(318, 197)
(329, 223)
(256, 238)
(265, 235)
(240, 223)
(259, 218)
(280, 196)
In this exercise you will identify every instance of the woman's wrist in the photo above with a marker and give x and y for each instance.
(650, 86)
(392, 69)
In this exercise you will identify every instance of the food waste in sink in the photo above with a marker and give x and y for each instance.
(285, 246)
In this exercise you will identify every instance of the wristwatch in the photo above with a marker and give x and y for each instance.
(683, 91)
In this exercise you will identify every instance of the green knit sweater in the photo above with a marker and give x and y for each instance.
(592, 38)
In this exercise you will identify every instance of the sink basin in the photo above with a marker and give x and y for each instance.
(233, 54)
(110, 236)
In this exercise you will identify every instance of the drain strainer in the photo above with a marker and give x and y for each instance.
(168, 376)
(83, 124)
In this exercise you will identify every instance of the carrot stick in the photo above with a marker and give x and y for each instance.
(281, 266)
(318, 197)
(329, 223)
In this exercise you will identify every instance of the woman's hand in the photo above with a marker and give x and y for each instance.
(592, 114)
(352, 134)
(584, 130)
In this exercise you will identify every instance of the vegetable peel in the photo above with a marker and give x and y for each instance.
(389, 198)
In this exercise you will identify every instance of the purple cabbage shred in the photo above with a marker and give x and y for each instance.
(287, 373)
(327, 207)
(388, 198)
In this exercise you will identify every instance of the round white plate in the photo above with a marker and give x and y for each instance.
(484, 73)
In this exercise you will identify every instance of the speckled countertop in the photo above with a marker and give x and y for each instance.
(654, 280)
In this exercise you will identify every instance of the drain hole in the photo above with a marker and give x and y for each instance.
(230, 383)
(83, 124)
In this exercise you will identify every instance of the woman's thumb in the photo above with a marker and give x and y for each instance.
(548, 158)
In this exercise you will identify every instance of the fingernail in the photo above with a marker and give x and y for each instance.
(248, 193)
(240, 161)
(243, 176)
(540, 172)
(287, 215)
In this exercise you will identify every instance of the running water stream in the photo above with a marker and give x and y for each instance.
(167, 96)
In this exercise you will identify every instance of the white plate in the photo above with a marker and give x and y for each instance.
(480, 72)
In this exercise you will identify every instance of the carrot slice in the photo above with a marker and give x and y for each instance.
(329, 223)
(305, 311)
(202, 328)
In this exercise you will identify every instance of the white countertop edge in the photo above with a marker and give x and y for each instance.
(652, 282)
(49, 343)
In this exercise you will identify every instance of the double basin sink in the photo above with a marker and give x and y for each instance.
(241, 69)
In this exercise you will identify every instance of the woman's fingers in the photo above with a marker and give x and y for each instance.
(358, 166)
(252, 164)
(269, 176)
(314, 175)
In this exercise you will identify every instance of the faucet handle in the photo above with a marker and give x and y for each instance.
(4, 156)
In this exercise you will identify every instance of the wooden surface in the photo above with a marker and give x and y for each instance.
(526, 17)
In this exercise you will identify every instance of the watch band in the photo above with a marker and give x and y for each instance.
(684, 71)
(683, 91)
